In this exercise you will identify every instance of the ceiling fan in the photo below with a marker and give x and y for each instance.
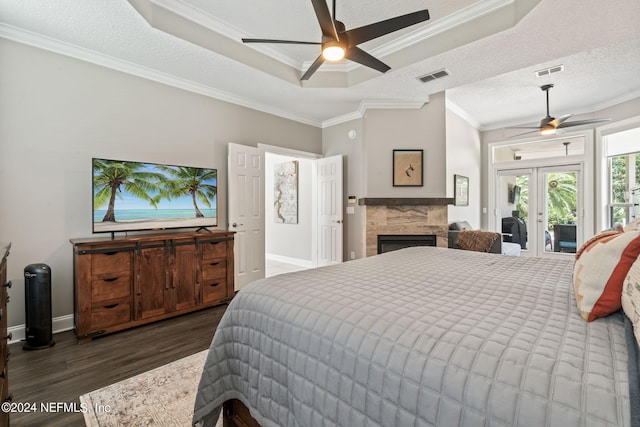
(338, 43)
(552, 126)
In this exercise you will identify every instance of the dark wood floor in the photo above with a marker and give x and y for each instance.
(64, 372)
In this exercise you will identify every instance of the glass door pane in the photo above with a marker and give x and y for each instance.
(559, 219)
(514, 207)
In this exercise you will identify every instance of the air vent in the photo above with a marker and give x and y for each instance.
(435, 75)
(550, 70)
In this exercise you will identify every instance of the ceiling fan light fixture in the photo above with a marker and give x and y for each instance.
(548, 131)
(333, 51)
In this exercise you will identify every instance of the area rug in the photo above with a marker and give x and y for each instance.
(161, 397)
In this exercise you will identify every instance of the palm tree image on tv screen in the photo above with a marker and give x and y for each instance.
(143, 196)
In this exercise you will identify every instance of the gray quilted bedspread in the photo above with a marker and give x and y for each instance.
(418, 337)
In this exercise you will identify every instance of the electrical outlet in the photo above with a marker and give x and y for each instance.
(353, 254)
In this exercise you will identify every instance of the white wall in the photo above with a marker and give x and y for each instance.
(464, 158)
(290, 243)
(58, 112)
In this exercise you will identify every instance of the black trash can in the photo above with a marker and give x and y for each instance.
(37, 297)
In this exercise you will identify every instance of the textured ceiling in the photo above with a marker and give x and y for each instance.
(491, 49)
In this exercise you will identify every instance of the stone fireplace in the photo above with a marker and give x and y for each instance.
(405, 216)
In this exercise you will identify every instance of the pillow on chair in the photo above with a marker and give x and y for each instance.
(460, 225)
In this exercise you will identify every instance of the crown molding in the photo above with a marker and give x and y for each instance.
(462, 114)
(39, 41)
(460, 17)
(373, 105)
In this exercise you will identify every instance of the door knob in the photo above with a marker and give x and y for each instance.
(235, 224)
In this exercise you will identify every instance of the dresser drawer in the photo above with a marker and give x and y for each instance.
(111, 287)
(110, 262)
(212, 250)
(214, 270)
(214, 290)
(110, 315)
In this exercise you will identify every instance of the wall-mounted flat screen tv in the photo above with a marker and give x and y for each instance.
(131, 196)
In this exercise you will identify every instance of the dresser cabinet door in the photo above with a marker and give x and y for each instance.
(151, 284)
(185, 286)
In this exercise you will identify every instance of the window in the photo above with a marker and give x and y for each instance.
(624, 174)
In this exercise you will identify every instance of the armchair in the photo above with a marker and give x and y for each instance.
(456, 228)
(564, 238)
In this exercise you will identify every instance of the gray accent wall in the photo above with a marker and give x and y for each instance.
(56, 113)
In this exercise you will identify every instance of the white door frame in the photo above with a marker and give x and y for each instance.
(588, 183)
(273, 149)
(537, 204)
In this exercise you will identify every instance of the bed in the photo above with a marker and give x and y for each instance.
(419, 337)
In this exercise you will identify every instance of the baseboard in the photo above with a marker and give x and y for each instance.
(59, 324)
(289, 260)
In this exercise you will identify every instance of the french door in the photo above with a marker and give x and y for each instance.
(541, 208)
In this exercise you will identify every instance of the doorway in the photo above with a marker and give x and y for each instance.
(251, 205)
(540, 208)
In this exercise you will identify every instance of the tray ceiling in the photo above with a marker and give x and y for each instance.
(490, 48)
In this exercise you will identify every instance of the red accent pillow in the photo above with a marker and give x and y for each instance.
(602, 264)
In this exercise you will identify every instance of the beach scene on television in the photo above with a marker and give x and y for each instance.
(143, 196)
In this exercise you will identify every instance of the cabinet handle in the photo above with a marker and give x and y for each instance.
(8, 285)
(214, 284)
(9, 337)
(3, 374)
(214, 263)
(9, 398)
(111, 306)
(112, 279)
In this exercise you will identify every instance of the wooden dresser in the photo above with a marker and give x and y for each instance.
(4, 337)
(125, 282)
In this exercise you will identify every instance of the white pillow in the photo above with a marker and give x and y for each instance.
(631, 297)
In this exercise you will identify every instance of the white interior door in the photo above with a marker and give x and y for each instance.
(330, 222)
(246, 212)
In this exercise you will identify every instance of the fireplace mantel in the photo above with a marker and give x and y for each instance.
(405, 201)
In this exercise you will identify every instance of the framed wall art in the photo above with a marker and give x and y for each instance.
(461, 190)
(285, 206)
(407, 168)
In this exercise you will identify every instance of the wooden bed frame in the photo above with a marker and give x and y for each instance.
(236, 414)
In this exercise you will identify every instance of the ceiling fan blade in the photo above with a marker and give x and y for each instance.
(582, 122)
(557, 122)
(522, 127)
(324, 19)
(312, 69)
(277, 41)
(372, 31)
(358, 55)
